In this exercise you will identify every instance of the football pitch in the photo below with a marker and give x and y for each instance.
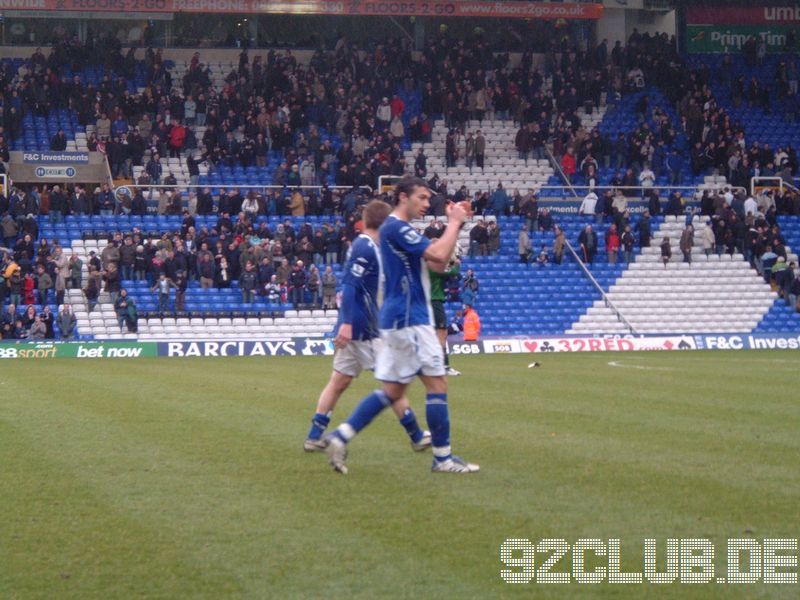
(185, 478)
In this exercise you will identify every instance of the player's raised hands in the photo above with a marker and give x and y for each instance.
(459, 211)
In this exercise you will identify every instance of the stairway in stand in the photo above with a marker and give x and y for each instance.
(502, 162)
(712, 294)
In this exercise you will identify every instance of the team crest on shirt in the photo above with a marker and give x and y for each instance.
(357, 270)
(411, 236)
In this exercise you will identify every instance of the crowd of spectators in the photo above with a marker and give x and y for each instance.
(36, 273)
(287, 263)
(271, 105)
(703, 139)
(741, 223)
(280, 264)
(28, 324)
(737, 222)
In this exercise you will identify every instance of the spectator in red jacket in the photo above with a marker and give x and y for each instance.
(177, 138)
(612, 244)
(398, 106)
(568, 164)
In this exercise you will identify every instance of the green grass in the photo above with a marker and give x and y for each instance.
(174, 478)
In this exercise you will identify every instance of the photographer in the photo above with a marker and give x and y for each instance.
(469, 288)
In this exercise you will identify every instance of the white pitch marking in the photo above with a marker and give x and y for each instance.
(614, 363)
(776, 360)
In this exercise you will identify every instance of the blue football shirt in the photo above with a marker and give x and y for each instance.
(406, 298)
(360, 289)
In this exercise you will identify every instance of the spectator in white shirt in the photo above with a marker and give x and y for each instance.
(750, 206)
(647, 178)
(384, 113)
(780, 158)
(588, 205)
(728, 195)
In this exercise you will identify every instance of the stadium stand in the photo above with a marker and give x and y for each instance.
(502, 162)
(713, 293)
(668, 122)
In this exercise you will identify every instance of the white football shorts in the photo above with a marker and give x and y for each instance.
(409, 352)
(357, 356)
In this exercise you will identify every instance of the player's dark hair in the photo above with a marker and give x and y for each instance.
(407, 185)
(375, 213)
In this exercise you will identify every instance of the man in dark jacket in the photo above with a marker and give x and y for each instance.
(16, 204)
(546, 222)
(522, 142)
(297, 283)
(205, 202)
(136, 148)
(248, 281)
(437, 205)
(79, 201)
(675, 204)
(58, 205)
(530, 210)
(138, 203)
(206, 270)
(181, 283)
(588, 242)
(118, 155)
(127, 258)
(644, 229)
(58, 142)
(66, 322)
(332, 244)
(653, 202)
(104, 200)
(627, 242)
(112, 281)
(478, 240)
(794, 293)
(265, 273)
(154, 169)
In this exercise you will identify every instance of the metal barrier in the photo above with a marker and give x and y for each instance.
(692, 188)
(781, 184)
(599, 288)
(385, 183)
(577, 190)
(557, 167)
(147, 189)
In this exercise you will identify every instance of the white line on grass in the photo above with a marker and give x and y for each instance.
(776, 360)
(614, 363)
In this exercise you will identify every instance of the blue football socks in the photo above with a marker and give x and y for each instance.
(409, 422)
(369, 408)
(439, 422)
(318, 425)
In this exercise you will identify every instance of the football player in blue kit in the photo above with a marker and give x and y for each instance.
(409, 345)
(357, 334)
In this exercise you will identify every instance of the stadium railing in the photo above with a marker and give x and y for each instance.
(148, 188)
(560, 171)
(694, 189)
(756, 183)
(608, 302)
